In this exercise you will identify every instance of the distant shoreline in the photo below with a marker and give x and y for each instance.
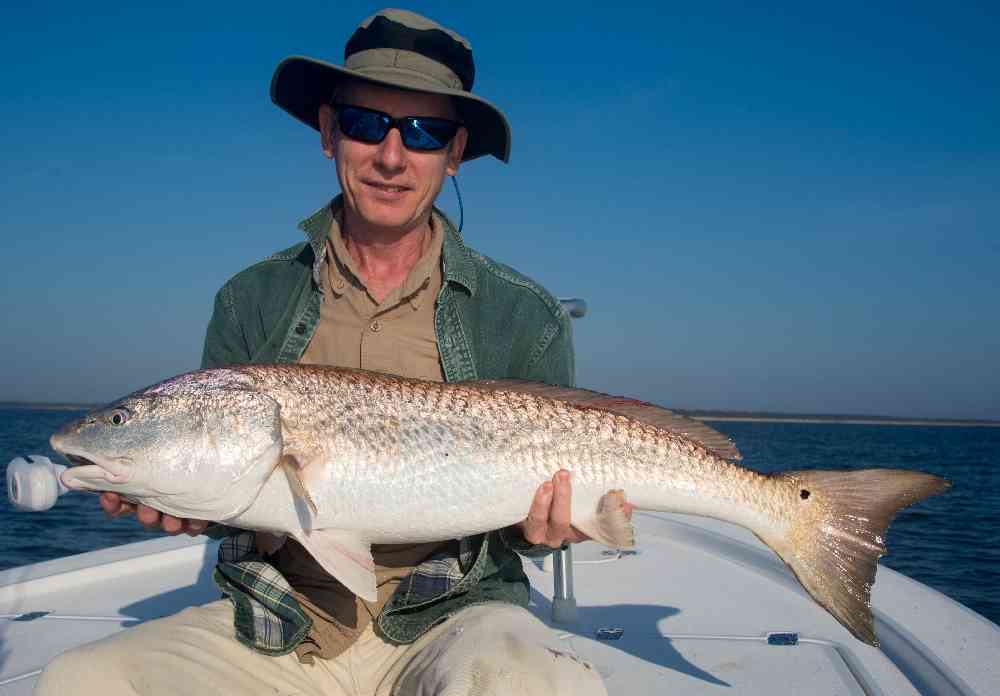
(834, 420)
(701, 415)
(30, 406)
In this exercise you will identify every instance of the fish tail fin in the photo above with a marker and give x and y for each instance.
(837, 535)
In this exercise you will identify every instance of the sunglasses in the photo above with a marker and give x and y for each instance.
(418, 132)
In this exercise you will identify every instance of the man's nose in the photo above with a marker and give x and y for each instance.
(391, 152)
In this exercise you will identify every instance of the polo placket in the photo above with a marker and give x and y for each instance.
(396, 335)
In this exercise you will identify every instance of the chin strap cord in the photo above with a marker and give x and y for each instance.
(461, 210)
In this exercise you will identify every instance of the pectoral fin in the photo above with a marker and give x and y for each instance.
(610, 524)
(292, 470)
(344, 556)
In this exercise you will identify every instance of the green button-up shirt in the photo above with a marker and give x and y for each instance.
(491, 323)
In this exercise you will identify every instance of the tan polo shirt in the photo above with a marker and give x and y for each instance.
(395, 336)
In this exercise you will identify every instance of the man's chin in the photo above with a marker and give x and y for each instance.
(388, 216)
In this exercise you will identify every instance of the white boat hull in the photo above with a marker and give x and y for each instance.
(696, 605)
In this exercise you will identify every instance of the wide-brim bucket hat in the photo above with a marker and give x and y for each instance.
(401, 49)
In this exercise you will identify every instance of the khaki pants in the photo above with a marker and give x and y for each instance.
(492, 648)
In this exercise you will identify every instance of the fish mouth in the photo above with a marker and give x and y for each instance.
(77, 460)
(90, 473)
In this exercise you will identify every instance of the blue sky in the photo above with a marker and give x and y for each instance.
(791, 207)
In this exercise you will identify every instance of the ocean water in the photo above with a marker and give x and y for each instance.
(947, 542)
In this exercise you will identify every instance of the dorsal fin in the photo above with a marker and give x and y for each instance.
(650, 414)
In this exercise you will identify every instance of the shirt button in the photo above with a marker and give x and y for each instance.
(375, 326)
(300, 329)
(338, 284)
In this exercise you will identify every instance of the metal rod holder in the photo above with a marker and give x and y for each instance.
(563, 601)
(576, 307)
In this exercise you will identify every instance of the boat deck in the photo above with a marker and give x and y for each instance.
(701, 607)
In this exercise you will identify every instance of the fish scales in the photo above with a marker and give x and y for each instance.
(513, 441)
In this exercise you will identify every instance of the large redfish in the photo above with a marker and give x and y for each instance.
(371, 458)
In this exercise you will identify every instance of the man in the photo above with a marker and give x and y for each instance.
(385, 283)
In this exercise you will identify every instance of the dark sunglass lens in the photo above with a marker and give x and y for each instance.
(428, 133)
(362, 124)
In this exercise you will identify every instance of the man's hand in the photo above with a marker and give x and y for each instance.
(548, 520)
(114, 506)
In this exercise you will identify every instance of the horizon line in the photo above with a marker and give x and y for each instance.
(701, 414)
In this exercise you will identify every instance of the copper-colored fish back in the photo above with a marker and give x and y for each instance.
(640, 411)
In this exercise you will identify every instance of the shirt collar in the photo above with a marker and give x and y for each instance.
(459, 266)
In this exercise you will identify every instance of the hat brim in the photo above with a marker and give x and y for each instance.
(300, 85)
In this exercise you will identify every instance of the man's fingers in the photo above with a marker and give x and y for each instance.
(171, 524)
(114, 506)
(550, 519)
(148, 516)
(111, 503)
(559, 514)
(537, 523)
(195, 527)
(152, 519)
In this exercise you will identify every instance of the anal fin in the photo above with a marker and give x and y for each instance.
(610, 524)
(344, 556)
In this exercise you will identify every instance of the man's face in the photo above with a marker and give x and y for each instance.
(385, 185)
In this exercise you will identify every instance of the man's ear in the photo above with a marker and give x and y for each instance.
(327, 130)
(456, 149)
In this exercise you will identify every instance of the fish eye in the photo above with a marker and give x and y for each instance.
(118, 417)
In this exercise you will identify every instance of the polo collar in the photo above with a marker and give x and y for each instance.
(459, 267)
